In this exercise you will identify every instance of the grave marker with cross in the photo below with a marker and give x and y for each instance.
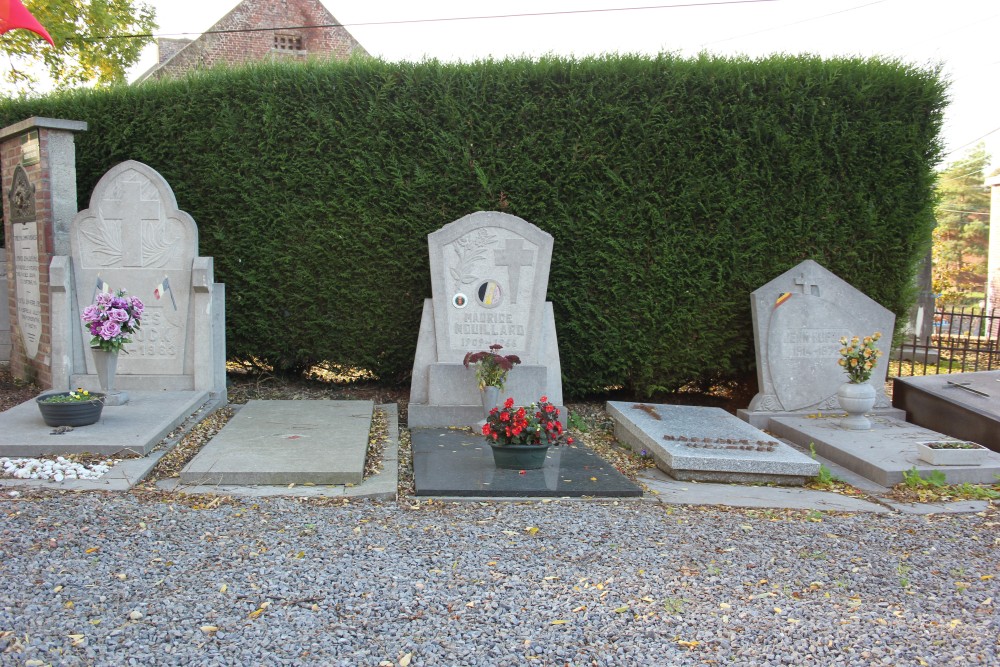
(809, 286)
(131, 210)
(514, 256)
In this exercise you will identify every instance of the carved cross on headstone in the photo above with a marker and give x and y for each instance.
(808, 286)
(514, 256)
(132, 210)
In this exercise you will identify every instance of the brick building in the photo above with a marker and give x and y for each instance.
(259, 30)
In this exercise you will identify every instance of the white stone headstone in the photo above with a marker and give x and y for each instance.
(27, 272)
(133, 237)
(26, 279)
(489, 275)
(798, 320)
(489, 278)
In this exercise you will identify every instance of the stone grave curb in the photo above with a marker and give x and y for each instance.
(381, 486)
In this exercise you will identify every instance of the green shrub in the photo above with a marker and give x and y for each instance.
(673, 188)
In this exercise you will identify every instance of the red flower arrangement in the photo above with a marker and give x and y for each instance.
(537, 424)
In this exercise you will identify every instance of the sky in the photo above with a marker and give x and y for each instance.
(958, 35)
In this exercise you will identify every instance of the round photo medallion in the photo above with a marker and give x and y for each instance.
(460, 300)
(489, 294)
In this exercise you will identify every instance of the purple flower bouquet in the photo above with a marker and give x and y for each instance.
(111, 319)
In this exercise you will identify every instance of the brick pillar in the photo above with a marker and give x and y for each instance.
(38, 169)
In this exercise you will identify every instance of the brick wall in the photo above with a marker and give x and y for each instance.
(36, 369)
(240, 47)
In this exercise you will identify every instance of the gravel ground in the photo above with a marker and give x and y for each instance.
(89, 578)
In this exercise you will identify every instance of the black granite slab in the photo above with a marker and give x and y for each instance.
(962, 405)
(448, 462)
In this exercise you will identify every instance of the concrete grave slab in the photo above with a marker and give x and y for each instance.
(881, 454)
(708, 444)
(674, 492)
(489, 279)
(798, 320)
(136, 426)
(287, 442)
(450, 462)
(962, 405)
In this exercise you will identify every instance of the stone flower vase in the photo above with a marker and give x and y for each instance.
(856, 399)
(491, 398)
(107, 365)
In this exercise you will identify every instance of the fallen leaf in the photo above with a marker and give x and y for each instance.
(260, 610)
(92, 550)
(208, 629)
(686, 644)
(405, 660)
(559, 622)
(621, 610)
(531, 530)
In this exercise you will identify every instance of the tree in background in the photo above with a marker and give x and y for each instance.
(962, 234)
(92, 43)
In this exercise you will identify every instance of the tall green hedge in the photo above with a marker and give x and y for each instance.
(673, 188)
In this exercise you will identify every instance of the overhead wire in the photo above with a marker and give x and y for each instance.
(567, 12)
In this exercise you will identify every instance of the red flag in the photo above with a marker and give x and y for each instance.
(14, 15)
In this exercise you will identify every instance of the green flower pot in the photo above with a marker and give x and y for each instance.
(519, 457)
(77, 413)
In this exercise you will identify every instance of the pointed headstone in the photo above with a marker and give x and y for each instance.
(798, 320)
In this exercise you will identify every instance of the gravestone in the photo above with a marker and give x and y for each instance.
(708, 445)
(24, 240)
(133, 237)
(489, 277)
(798, 320)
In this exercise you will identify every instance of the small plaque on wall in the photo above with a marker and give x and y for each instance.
(29, 148)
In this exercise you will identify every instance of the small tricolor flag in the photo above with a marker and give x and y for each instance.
(785, 296)
(101, 286)
(14, 15)
(164, 286)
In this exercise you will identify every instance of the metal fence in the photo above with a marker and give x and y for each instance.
(964, 340)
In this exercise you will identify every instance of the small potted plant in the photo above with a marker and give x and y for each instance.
(491, 373)
(858, 357)
(952, 453)
(521, 436)
(71, 408)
